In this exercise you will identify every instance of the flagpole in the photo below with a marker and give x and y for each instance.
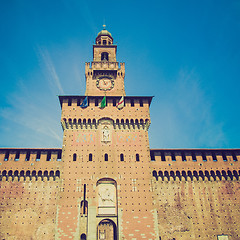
(105, 98)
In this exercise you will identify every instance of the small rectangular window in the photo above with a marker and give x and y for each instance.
(183, 157)
(163, 156)
(59, 157)
(38, 156)
(17, 156)
(49, 156)
(204, 158)
(152, 156)
(132, 102)
(224, 157)
(6, 156)
(96, 102)
(234, 157)
(214, 157)
(27, 156)
(78, 102)
(194, 157)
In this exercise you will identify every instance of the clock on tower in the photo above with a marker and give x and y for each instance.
(104, 75)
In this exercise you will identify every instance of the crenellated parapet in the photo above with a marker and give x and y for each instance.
(30, 164)
(100, 65)
(207, 175)
(119, 124)
(23, 175)
(195, 164)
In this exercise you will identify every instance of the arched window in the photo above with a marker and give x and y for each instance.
(74, 157)
(137, 157)
(154, 173)
(106, 157)
(90, 157)
(84, 207)
(122, 157)
(104, 56)
(83, 236)
(57, 173)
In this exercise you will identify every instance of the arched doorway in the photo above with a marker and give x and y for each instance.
(107, 230)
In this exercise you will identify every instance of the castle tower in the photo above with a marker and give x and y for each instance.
(106, 177)
(105, 182)
(104, 76)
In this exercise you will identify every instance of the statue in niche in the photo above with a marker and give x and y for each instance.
(106, 134)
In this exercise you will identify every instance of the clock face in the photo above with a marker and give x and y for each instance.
(105, 83)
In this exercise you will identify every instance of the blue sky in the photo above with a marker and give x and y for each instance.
(184, 53)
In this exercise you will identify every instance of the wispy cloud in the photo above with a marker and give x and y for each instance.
(49, 69)
(185, 116)
(32, 121)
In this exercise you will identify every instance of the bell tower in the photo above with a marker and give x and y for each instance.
(104, 76)
(106, 175)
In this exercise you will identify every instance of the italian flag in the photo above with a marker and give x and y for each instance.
(103, 103)
(120, 104)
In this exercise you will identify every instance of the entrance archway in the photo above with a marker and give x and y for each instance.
(107, 230)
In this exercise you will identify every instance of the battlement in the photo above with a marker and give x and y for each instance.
(195, 155)
(23, 164)
(19, 155)
(101, 65)
(93, 101)
(195, 164)
(117, 124)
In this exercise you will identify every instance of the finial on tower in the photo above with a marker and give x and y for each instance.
(104, 27)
